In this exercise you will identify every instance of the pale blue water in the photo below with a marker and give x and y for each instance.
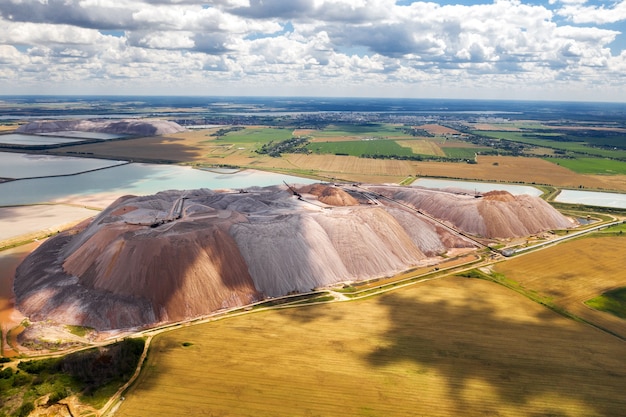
(33, 140)
(480, 187)
(83, 135)
(137, 179)
(592, 198)
(20, 165)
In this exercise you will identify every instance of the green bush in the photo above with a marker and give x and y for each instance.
(40, 366)
(6, 373)
(25, 409)
(21, 379)
(57, 396)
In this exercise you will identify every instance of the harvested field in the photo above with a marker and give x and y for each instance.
(422, 147)
(514, 169)
(487, 126)
(187, 146)
(612, 182)
(174, 148)
(352, 168)
(572, 273)
(438, 130)
(303, 132)
(509, 169)
(432, 349)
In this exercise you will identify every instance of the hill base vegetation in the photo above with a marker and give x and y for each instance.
(93, 375)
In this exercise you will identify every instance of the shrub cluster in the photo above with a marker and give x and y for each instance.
(293, 145)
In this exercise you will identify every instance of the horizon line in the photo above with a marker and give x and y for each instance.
(535, 100)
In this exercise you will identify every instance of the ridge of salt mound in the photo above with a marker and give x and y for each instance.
(499, 195)
(498, 214)
(333, 196)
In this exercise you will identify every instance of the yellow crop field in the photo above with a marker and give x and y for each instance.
(509, 127)
(448, 347)
(421, 146)
(574, 272)
(179, 148)
(439, 130)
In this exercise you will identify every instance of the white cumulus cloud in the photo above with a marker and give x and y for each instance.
(333, 47)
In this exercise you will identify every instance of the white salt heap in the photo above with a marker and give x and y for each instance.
(181, 254)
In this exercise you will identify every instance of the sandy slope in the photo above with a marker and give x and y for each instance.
(497, 214)
(180, 254)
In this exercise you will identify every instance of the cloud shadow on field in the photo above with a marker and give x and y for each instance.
(147, 149)
(521, 362)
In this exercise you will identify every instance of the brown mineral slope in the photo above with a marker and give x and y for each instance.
(496, 214)
(181, 254)
(135, 127)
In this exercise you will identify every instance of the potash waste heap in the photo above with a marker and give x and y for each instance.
(182, 254)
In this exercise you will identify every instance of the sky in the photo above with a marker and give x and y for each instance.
(501, 49)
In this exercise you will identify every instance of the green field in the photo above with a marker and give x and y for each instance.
(256, 135)
(434, 349)
(613, 302)
(592, 165)
(365, 130)
(383, 147)
(463, 153)
(547, 140)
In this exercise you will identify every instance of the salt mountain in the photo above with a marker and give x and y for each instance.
(181, 254)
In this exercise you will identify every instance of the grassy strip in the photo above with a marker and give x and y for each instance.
(615, 230)
(294, 299)
(80, 331)
(613, 302)
(352, 291)
(407, 181)
(587, 209)
(320, 299)
(20, 241)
